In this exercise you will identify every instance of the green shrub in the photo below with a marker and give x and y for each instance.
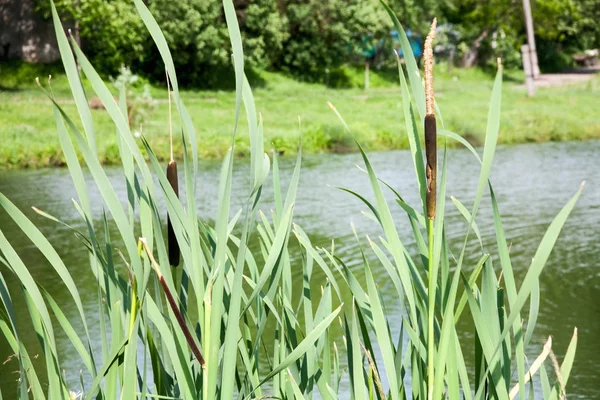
(110, 31)
(320, 33)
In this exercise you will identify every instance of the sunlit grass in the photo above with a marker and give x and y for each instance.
(557, 113)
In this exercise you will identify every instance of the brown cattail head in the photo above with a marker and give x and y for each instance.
(431, 155)
(430, 124)
(173, 246)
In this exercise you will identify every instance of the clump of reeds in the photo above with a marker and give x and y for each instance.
(256, 323)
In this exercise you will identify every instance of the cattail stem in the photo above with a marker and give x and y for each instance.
(430, 312)
(430, 199)
(173, 304)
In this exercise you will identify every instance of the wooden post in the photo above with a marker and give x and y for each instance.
(526, 54)
(531, 39)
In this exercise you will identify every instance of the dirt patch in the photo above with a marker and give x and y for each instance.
(579, 75)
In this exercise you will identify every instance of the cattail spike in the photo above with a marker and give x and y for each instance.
(431, 171)
(430, 124)
(428, 61)
(173, 246)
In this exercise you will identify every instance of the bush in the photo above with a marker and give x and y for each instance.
(299, 37)
(321, 32)
(552, 57)
(110, 31)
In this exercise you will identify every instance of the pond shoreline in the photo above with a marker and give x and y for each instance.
(375, 117)
(343, 145)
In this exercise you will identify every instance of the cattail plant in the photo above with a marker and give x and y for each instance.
(143, 244)
(173, 246)
(431, 173)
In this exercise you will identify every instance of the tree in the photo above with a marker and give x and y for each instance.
(485, 27)
(197, 35)
(308, 37)
(112, 35)
(418, 14)
(265, 31)
(110, 31)
(320, 33)
(564, 27)
(496, 28)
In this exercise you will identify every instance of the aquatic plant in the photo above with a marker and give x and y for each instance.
(200, 331)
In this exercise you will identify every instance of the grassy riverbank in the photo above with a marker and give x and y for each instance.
(28, 135)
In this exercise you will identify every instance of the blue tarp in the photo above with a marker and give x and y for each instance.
(414, 40)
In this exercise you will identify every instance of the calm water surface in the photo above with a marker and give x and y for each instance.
(532, 183)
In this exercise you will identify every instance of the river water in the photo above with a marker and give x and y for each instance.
(532, 183)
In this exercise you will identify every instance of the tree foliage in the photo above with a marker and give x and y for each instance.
(563, 28)
(110, 31)
(493, 28)
(197, 37)
(321, 32)
(307, 38)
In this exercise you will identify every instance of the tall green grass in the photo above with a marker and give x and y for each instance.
(198, 331)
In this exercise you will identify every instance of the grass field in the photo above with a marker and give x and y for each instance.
(28, 137)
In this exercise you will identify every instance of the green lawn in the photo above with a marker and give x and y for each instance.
(27, 129)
